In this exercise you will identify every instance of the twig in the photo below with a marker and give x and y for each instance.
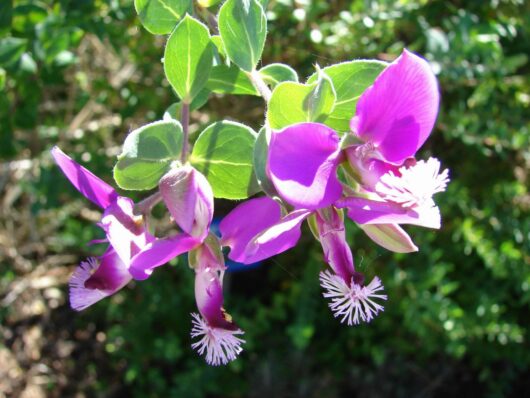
(260, 85)
(185, 121)
(145, 205)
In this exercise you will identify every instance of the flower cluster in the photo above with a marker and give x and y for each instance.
(382, 186)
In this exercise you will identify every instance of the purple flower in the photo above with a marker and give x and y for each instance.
(189, 199)
(133, 252)
(217, 333)
(304, 175)
(394, 117)
(302, 165)
(396, 114)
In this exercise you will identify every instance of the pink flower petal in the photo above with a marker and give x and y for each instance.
(368, 170)
(303, 161)
(189, 198)
(367, 211)
(92, 187)
(209, 298)
(125, 231)
(246, 221)
(276, 239)
(159, 252)
(397, 113)
(332, 235)
(254, 230)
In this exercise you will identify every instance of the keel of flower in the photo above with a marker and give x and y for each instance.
(353, 302)
(97, 278)
(218, 345)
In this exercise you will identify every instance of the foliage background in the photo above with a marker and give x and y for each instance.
(82, 73)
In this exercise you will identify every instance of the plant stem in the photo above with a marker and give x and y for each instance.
(260, 85)
(185, 121)
(144, 206)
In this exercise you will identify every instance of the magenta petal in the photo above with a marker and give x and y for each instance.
(96, 279)
(246, 221)
(189, 198)
(332, 235)
(159, 252)
(366, 211)
(397, 113)
(209, 298)
(276, 239)
(125, 231)
(92, 187)
(368, 169)
(303, 161)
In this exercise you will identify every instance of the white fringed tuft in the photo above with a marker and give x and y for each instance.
(220, 346)
(354, 303)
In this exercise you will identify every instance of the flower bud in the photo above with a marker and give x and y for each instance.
(390, 236)
(189, 199)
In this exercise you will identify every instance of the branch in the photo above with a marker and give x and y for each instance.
(260, 85)
(185, 121)
(144, 206)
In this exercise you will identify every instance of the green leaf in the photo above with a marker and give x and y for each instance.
(160, 16)
(350, 80)
(261, 154)
(173, 110)
(6, 15)
(219, 45)
(27, 16)
(208, 3)
(27, 64)
(230, 80)
(321, 100)
(11, 49)
(296, 103)
(274, 74)
(147, 154)
(223, 152)
(2, 79)
(243, 28)
(54, 38)
(188, 58)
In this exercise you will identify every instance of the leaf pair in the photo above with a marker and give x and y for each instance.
(222, 152)
(189, 52)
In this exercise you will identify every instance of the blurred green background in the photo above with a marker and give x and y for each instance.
(82, 73)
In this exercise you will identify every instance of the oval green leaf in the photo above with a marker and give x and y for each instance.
(11, 49)
(147, 154)
(220, 47)
(296, 103)
(243, 28)
(160, 16)
(274, 74)
(2, 79)
(350, 80)
(261, 154)
(208, 3)
(223, 152)
(230, 80)
(188, 58)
